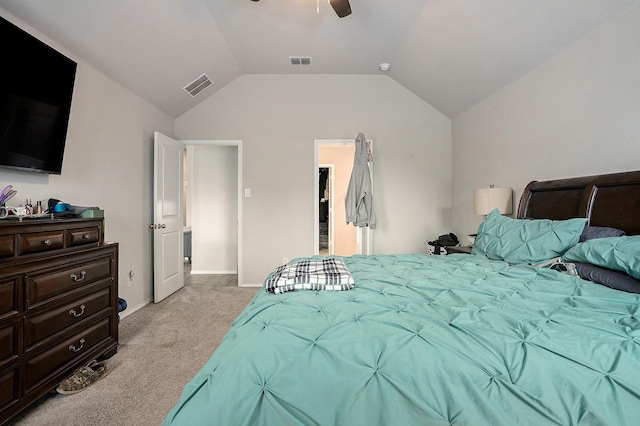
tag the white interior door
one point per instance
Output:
(168, 261)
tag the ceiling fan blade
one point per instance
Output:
(342, 7)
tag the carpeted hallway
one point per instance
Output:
(161, 347)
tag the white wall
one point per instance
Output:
(213, 190)
(278, 117)
(107, 163)
(577, 114)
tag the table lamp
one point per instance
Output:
(487, 199)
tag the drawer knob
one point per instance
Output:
(76, 278)
(85, 236)
(75, 314)
(72, 348)
(46, 242)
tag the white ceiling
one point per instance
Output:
(450, 53)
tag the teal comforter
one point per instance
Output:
(427, 340)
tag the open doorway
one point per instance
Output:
(343, 239)
(325, 209)
(214, 207)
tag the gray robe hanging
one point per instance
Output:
(359, 199)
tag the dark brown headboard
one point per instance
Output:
(606, 200)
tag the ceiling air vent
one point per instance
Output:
(300, 60)
(197, 85)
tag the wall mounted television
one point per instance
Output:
(36, 87)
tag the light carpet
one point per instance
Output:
(162, 346)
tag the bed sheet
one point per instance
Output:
(421, 339)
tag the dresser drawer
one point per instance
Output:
(8, 342)
(50, 361)
(8, 296)
(78, 237)
(7, 246)
(43, 286)
(58, 305)
(41, 241)
(51, 322)
(9, 389)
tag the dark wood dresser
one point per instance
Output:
(58, 304)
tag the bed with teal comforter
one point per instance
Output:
(427, 340)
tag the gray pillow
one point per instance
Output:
(592, 232)
(608, 277)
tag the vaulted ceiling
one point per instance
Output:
(450, 53)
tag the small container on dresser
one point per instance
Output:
(58, 304)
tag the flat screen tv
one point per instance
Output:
(36, 86)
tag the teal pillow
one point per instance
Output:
(619, 253)
(526, 241)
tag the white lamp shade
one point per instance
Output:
(487, 199)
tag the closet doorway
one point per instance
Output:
(342, 239)
(326, 206)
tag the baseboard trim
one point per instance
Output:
(250, 285)
(131, 310)
(196, 272)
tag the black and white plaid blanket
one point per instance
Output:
(324, 274)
